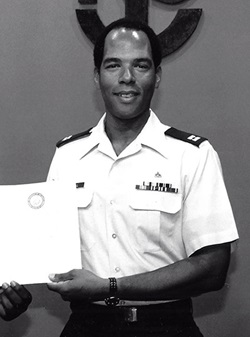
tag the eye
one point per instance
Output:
(142, 66)
(112, 66)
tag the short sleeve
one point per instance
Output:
(207, 214)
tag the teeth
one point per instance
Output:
(127, 95)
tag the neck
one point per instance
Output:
(121, 132)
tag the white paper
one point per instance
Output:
(39, 231)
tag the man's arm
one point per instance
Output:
(202, 272)
(14, 300)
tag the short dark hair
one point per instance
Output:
(129, 24)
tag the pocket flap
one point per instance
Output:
(157, 201)
(83, 197)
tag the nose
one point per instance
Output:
(127, 75)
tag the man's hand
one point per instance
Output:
(79, 284)
(14, 300)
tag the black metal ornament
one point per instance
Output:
(171, 39)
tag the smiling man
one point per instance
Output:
(127, 78)
(155, 221)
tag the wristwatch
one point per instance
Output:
(112, 300)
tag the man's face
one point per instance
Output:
(127, 76)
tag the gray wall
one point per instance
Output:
(47, 92)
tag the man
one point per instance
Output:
(155, 221)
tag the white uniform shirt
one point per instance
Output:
(127, 228)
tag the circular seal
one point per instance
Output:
(36, 200)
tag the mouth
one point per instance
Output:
(126, 94)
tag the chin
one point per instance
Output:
(131, 115)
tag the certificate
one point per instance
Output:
(39, 231)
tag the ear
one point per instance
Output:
(97, 78)
(158, 76)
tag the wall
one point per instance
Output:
(47, 92)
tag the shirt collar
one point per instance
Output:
(152, 136)
(98, 138)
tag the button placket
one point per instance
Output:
(111, 222)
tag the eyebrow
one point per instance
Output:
(144, 59)
(111, 59)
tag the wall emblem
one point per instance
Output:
(172, 38)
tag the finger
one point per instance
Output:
(22, 292)
(5, 286)
(2, 311)
(6, 303)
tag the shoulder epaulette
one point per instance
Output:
(185, 136)
(72, 138)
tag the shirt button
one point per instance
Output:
(117, 269)
(114, 236)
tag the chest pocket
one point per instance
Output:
(153, 210)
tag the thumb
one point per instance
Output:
(60, 277)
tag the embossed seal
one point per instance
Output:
(36, 200)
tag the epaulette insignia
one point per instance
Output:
(185, 136)
(72, 138)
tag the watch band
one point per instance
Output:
(112, 300)
(112, 286)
